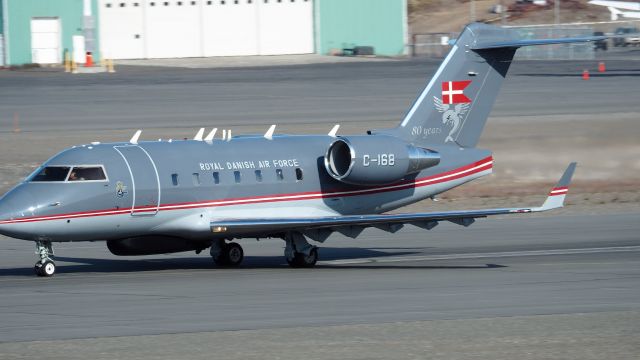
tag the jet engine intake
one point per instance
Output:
(376, 159)
(153, 245)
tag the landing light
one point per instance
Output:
(219, 229)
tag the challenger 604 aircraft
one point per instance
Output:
(153, 197)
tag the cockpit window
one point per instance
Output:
(52, 173)
(86, 173)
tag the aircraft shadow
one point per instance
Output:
(76, 265)
(579, 74)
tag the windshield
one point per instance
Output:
(84, 173)
(69, 173)
(52, 173)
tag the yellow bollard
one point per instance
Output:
(74, 67)
(110, 67)
(67, 62)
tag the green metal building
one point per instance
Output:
(40, 31)
(348, 23)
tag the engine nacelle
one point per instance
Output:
(375, 159)
(153, 245)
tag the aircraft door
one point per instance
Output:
(145, 185)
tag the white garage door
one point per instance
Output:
(173, 28)
(286, 26)
(121, 29)
(190, 28)
(45, 41)
(229, 28)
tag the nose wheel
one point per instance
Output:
(45, 267)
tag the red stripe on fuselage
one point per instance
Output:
(465, 171)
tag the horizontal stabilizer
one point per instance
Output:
(532, 42)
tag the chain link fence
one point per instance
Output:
(436, 45)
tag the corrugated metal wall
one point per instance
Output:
(19, 16)
(1, 50)
(347, 23)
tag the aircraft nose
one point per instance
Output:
(16, 203)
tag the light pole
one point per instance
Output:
(556, 11)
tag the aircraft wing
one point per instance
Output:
(319, 228)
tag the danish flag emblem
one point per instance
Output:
(453, 92)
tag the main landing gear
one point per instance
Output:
(298, 252)
(226, 254)
(45, 266)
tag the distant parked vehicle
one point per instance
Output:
(632, 39)
(600, 44)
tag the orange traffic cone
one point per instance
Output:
(88, 60)
(601, 67)
(585, 74)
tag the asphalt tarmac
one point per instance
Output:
(562, 286)
(378, 93)
(495, 269)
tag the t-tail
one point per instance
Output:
(454, 106)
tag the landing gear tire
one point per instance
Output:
(45, 269)
(231, 255)
(301, 260)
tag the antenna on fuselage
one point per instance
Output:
(334, 130)
(199, 134)
(209, 137)
(135, 137)
(269, 134)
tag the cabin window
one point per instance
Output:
(174, 179)
(236, 175)
(259, 175)
(279, 174)
(299, 174)
(196, 179)
(87, 173)
(52, 173)
(216, 178)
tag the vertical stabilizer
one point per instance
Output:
(454, 106)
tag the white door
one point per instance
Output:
(45, 41)
(121, 29)
(173, 28)
(230, 27)
(131, 29)
(285, 27)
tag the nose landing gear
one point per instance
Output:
(45, 266)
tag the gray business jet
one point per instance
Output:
(156, 197)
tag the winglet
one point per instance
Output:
(135, 137)
(559, 192)
(199, 134)
(269, 134)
